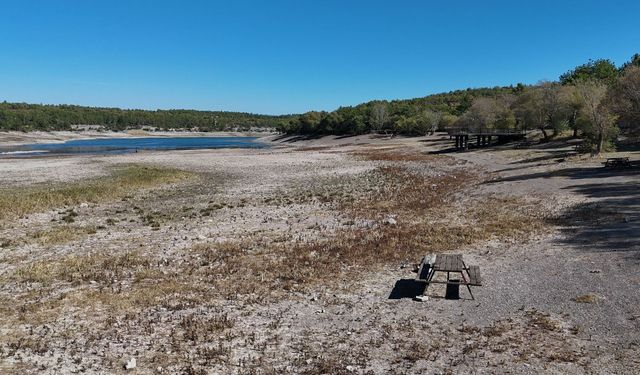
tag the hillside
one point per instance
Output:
(27, 117)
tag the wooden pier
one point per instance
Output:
(484, 137)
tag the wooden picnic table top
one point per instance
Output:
(449, 263)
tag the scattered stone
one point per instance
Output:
(391, 221)
(131, 364)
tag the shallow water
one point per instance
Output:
(128, 145)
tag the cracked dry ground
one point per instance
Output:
(283, 261)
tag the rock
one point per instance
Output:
(131, 364)
(84, 205)
(391, 221)
(422, 298)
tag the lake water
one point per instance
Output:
(128, 145)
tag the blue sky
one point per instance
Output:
(293, 56)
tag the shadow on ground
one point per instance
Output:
(407, 288)
(609, 221)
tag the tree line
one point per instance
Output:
(597, 100)
(27, 117)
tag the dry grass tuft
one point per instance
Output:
(396, 155)
(102, 268)
(60, 235)
(16, 202)
(586, 298)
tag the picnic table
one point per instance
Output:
(617, 163)
(448, 263)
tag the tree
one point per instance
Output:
(625, 99)
(555, 105)
(531, 112)
(379, 115)
(596, 119)
(432, 120)
(481, 114)
(635, 61)
(599, 70)
(573, 104)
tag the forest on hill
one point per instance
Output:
(28, 117)
(597, 100)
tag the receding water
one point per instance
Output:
(128, 145)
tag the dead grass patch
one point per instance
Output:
(60, 235)
(396, 155)
(586, 298)
(102, 268)
(20, 201)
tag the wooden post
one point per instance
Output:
(466, 142)
(477, 141)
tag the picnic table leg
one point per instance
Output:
(465, 268)
(469, 289)
(429, 277)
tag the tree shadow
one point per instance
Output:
(608, 223)
(572, 173)
(610, 220)
(548, 155)
(288, 138)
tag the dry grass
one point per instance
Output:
(586, 298)
(394, 155)
(16, 202)
(103, 268)
(425, 209)
(60, 235)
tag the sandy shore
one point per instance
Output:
(208, 290)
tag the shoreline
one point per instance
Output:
(16, 138)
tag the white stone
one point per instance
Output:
(131, 364)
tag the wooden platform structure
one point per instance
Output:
(484, 137)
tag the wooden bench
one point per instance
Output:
(474, 276)
(617, 163)
(425, 268)
(448, 263)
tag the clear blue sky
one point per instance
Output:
(294, 55)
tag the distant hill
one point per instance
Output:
(395, 115)
(27, 117)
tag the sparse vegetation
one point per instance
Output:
(586, 298)
(20, 201)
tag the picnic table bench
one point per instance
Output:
(617, 163)
(448, 263)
